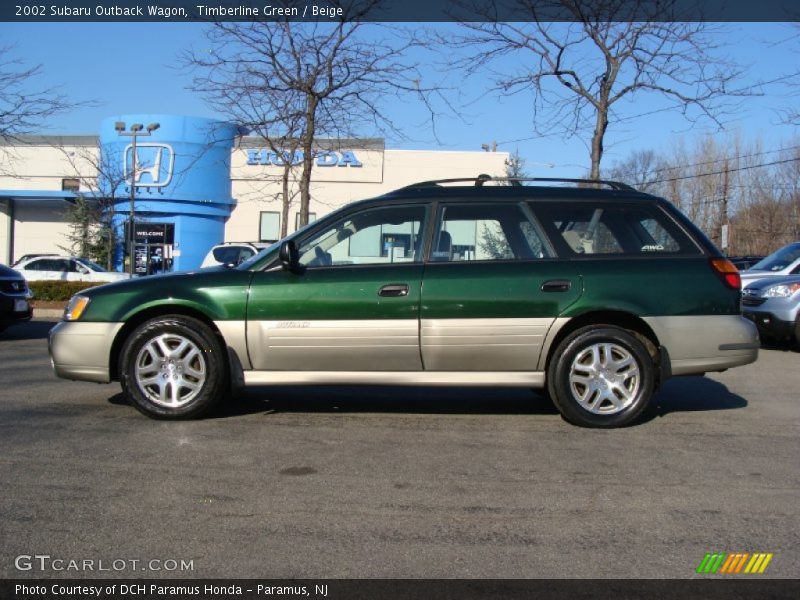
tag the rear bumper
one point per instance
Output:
(700, 344)
(81, 351)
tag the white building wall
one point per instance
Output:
(5, 231)
(257, 187)
(40, 225)
(42, 166)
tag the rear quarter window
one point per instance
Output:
(613, 229)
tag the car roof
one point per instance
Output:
(490, 193)
(433, 190)
(48, 256)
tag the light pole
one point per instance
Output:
(134, 133)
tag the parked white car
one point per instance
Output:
(231, 254)
(66, 268)
(785, 261)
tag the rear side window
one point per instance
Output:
(613, 229)
(47, 264)
(480, 232)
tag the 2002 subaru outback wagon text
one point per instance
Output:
(596, 295)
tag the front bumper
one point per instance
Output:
(82, 350)
(8, 314)
(770, 324)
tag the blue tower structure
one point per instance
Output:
(183, 188)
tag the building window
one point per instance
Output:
(311, 218)
(270, 227)
(70, 184)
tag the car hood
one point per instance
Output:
(9, 273)
(749, 275)
(765, 282)
(162, 280)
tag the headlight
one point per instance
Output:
(782, 290)
(75, 308)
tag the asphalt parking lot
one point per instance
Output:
(347, 482)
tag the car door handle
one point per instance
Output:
(556, 285)
(394, 290)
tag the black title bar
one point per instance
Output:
(71, 11)
(393, 589)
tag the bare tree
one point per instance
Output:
(282, 136)
(515, 166)
(640, 169)
(295, 82)
(716, 182)
(23, 109)
(611, 50)
(100, 174)
(791, 113)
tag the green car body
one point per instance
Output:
(442, 314)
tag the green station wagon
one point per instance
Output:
(595, 296)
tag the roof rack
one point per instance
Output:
(517, 182)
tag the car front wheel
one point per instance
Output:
(601, 376)
(173, 367)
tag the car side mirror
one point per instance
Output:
(290, 260)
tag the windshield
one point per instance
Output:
(779, 259)
(91, 265)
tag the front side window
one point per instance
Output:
(371, 237)
(479, 232)
(47, 264)
(613, 229)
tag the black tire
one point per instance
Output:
(204, 367)
(628, 403)
(797, 331)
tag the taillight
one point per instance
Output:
(728, 272)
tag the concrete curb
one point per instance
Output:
(47, 312)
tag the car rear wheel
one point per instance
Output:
(601, 376)
(173, 367)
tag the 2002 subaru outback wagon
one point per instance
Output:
(596, 295)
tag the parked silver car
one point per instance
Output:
(773, 304)
(784, 261)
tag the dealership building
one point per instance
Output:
(198, 182)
